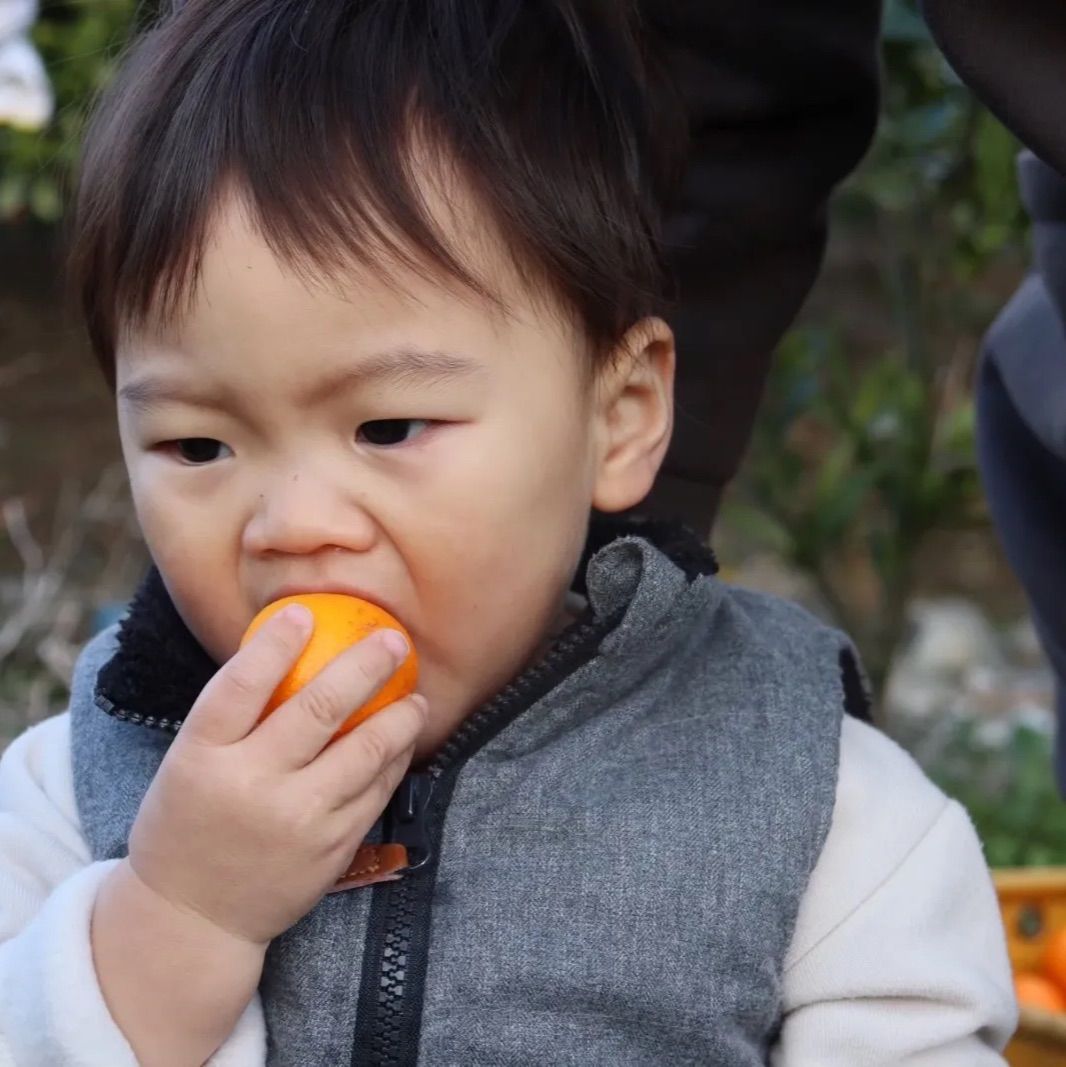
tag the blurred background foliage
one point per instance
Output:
(79, 41)
(1006, 786)
(864, 451)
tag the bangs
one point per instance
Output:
(328, 119)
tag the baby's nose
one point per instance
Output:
(299, 514)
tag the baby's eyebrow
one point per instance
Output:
(396, 366)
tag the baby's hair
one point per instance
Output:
(322, 115)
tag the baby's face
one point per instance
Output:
(418, 449)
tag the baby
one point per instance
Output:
(379, 288)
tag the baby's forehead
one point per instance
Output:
(387, 266)
(250, 298)
(387, 269)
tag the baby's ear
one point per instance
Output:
(634, 415)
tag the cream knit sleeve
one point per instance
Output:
(52, 1012)
(898, 957)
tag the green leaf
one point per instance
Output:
(45, 200)
(12, 196)
(757, 526)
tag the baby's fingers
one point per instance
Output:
(231, 703)
(372, 758)
(308, 721)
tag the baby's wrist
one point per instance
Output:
(192, 922)
(174, 982)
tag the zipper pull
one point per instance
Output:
(404, 822)
(404, 844)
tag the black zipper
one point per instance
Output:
(389, 1018)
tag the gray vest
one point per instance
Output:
(616, 871)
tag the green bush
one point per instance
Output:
(1010, 792)
(79, 42)
(853, 465)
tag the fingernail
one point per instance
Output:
(297, 615)
(396, 643)
(420, 702)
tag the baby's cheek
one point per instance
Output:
(217, 626)
(201, 583)
(169, 531)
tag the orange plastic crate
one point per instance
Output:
(1033, 902)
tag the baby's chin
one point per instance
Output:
(454, 695)
(567, 614)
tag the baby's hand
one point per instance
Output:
(249, 826)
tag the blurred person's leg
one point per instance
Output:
(1012, 54)
(1021, 426)
(1026, 487)
(782, 98)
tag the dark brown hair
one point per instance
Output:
(553, 111)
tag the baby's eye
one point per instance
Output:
(385, 432)
(198, 450)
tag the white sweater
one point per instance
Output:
(898, 957)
